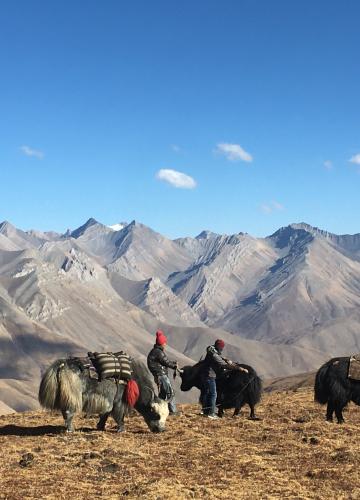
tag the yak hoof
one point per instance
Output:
(254, 417)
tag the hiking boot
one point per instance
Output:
(212, 416)
(175, 414)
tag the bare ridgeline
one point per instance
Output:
(286, 304)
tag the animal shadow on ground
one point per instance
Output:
(43, 430)
(40, 430)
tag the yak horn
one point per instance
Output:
(152, 394)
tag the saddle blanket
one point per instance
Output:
(354, 367)
(111, 365)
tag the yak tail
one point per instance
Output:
(255, 388)
(60, 388)
(132, 393)
(48, 389)
(321, 388)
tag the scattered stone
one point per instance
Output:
(314, 440)
(91, 455)
(82, 463)
(301, 420)
(112, 467)
(26, 460)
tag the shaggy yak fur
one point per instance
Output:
(67, 386)
(234, 388)
(332, 386)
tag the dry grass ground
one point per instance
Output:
(291, 453)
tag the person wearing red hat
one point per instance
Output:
(158, 364)
(215, 364)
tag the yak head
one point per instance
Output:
(156, 413)
(188, 378)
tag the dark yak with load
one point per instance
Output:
(68, 386)
(234, 388)
(337, 382)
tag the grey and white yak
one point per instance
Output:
(68, 387)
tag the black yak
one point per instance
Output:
(234, 388)
(68, 387)
(332, 386)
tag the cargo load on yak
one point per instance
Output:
(111, 365)
(354, 367)
(118, 366)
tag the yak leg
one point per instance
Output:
(238, 405)
(119, 408)
(236, 411)
(118, 414)
(220, 411)
(102, 421)
(338, 413)
(68, 418)
(329, 411)
(253, 416)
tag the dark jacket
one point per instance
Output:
(158, 363)
(214, 363)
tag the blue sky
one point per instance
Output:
(103, 105)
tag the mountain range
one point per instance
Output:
(283, 304)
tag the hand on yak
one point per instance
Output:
(235, 366)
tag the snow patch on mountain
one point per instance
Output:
(119, 226)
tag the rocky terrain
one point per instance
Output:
(283, 304)
(290, 453)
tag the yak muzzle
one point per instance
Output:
(157, 428)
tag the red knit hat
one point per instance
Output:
(160, 338)
(220, 343)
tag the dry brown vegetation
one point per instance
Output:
(291, 453)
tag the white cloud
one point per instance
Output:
(328, 165)
(355, 159)
(32, 152)
(273, 206)
(233, 152)
(176, 148)
(176, 179)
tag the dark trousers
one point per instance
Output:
(208, 396)
(166, 391)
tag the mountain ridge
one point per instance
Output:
(284, 303)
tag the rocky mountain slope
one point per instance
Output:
(284, 303)
(309, 297)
